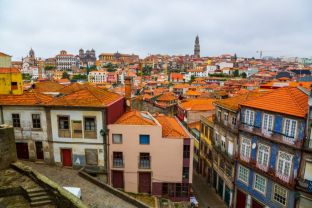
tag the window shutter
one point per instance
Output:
(258, 119)
(278, 124)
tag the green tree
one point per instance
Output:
(192, 79)
(65, 75)
(79, 77)
(47, 68)
(244, 75)
(236, 73)
(26, 76)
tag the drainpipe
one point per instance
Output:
(104, 134)
(2, 119)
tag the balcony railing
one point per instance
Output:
(271, 135)
(145, 162)
(304, 185)
(118, 163)
(287, 181)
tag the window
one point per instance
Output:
(228, 170)
(16, 120)
(36, 121)
(249, 117)
(186, 151)
(117, 159)
(89, 123)
(280, 194)
(63, 122)
(290, 128)
(284, 163)
(243, 174)
(222, 164)
(144, 139)
(14, 86)
(308, 171)
(230, 148)
(234, 120)
(117, 138)
(263, 155)
(226, 116)
(245, 148)
(260, 183)
(206, 131)
(144, 161)
(185, 173)
(223, 143)
(267, 123)
(219, 114)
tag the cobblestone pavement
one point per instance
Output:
(91, 194)
(205, 195)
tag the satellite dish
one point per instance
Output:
(254, 146)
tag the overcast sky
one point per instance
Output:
(278, 27)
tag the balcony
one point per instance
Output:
(118, 163)
(145, 162)
(268, 172)
(274, 136)
(303, 185)
(226, 125)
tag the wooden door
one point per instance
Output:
(67, 157)
(145, 182)
(22, 151)
(39, 150)
(240, 199)
(256, 204)
(118, 179)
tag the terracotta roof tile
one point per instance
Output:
(234, 102)
(27, 98)
(89, 96)
(9, 70)
(285, 100)
(171, 128)
(198, 104)
(47, 86)
(168, 96)
(135, 117)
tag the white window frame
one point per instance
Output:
(113, 136)
(281, 171)
(267, 124)
(282, 188)
(263, 155)
(255, 181)
(226, 116)
(249, 117)
(291, 131)
(242, 179)
(245, 148)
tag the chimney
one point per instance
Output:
(128, 89)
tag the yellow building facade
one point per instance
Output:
(11, 81)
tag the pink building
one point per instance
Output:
(151, 154)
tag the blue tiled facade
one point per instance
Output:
(276, 143)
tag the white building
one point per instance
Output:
(225, 65)
(98, 76)
(65, 61)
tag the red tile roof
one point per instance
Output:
(135, 117)
(9, 70)
(171, 128)
(200, 104)
(285, 100)
(27, 98)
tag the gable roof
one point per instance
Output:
(234, 102)
(167, 96)
(285, 100)
(171, 128)
(200, 104)
(27, 98)
(135, 117)
(87, 97)
(47, 86)
(9, 70)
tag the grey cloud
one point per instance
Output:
(167, 27)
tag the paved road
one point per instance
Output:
(205, 195)
(91, 194)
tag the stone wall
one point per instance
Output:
(7, 146)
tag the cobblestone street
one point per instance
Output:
(91, 194)
(206, 195)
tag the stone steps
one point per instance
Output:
(38, 197)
